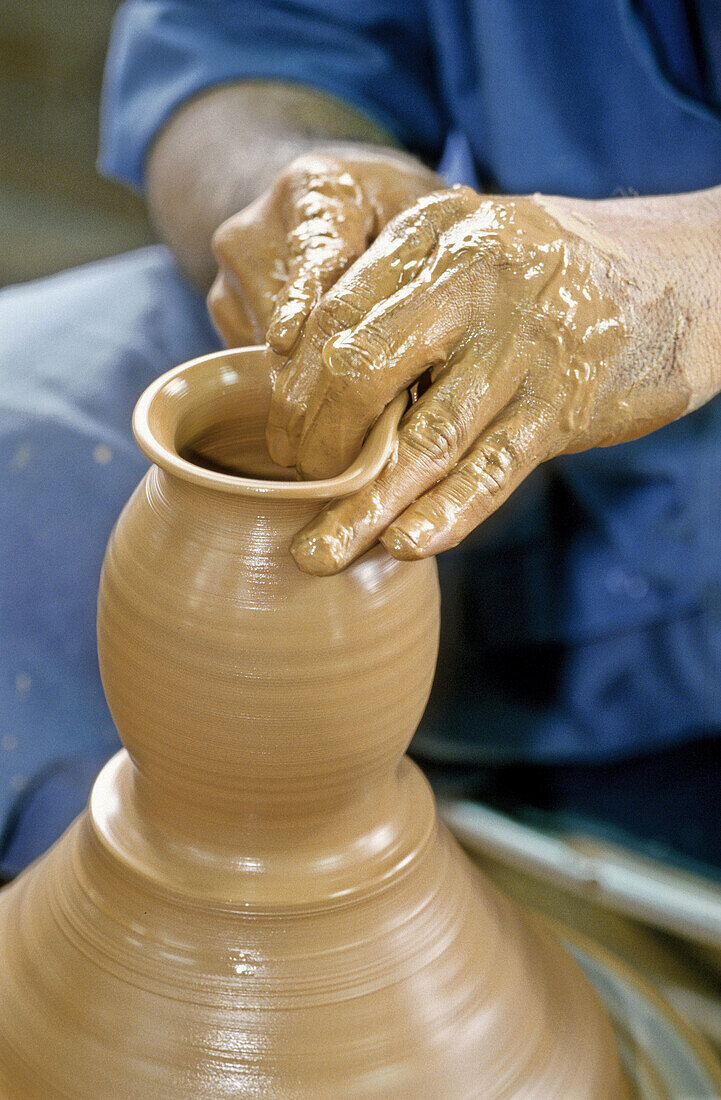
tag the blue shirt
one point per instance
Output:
(601, 578)
(567, 96)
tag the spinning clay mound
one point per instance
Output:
(259, 900)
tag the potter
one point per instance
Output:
(260, 899)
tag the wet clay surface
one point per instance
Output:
(260, 900)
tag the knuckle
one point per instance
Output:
(413, 229)
(322, 176)
(220, 301)
(288, 181)
(336, 312)
(433, 434)
(542, 334)
(505, 450)
(346, 362)
(415, 226)
(358, 355)
(305, 165)
(459, 200)
(437, 205)
(224, 317)
(232, 243)
(372, 346)
(325, 319)
(216, 294)
(492, 466)
(486, 479)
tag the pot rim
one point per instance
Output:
(162, 407)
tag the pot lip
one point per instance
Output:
(161, 407)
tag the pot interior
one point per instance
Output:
(234, 445)
(223, 427)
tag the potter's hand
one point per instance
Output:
(278, 256)
(550, 326)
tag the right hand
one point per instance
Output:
(278, 256)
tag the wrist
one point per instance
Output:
(677, 239)
(642, 382)
(665, 252)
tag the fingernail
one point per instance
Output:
(408, 540)
(284, 329)
(279, 446)
(321, 555)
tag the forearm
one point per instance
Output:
(222, 149)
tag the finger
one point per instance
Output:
(434, 436)
(363, 369)
(494, 467)
(295, 380)
(321, 248)
(231, 312)
(390, 263)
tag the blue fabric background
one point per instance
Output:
(570, 96)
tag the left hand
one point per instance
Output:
(540, 335)
(277, 256)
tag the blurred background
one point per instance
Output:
(56, 211)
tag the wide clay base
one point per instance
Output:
(421, 981)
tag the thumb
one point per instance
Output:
(242, 297)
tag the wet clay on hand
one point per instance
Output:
(260, 900)
(536, 330)
(278, 256)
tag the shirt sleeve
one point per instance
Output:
(373, 54)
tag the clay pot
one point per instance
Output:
(259, 900)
